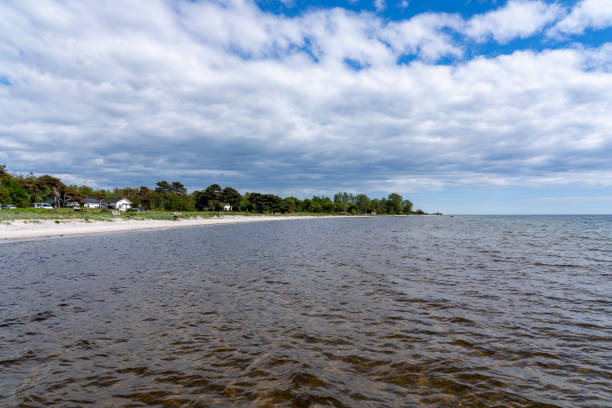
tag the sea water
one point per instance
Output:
(491, 311)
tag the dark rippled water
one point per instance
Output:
(366, 312)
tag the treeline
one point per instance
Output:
(22, 191)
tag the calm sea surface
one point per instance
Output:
(350, 312)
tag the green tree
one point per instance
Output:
(313, 206)
(49, 186)
(171, 197)
(407, 207)
(382, 206)
(394, 203)
(4, 192)
(326, 205)
(86, 191)
(267, 203)
(163, 187)
(214, 197)
(22, 190)
(246, 204)
(341, 201)
(30, 184)
(200, 199)
(274, 204)
(160, 196)
(256, 200)
(144, 197)
(293, 204)
(13, 193)
(5, 197)
(69, 193)
(363, 203)
(178, 188)
(232, 197)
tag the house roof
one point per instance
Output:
(114, 200)
(91, 200)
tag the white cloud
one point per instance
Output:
(594, 14)
(423, 35)
(518, 18)
(380, 5)
(232, 95)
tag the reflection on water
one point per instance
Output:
(372, 312)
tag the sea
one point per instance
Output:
(462, 311)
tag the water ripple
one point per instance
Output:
(373, 312)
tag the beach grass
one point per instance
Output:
(94, 214)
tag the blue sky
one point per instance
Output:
(476, 106)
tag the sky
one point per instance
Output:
(463, 106)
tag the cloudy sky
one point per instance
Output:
(463, 106)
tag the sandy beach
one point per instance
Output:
(27, 229)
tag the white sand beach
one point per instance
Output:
(27, 229)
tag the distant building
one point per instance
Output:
(121, 204)
(91, 203)
(46, 206)
(227, 207)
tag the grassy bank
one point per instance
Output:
(93, 214)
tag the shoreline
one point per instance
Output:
(32, 229)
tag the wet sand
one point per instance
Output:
(26, 229)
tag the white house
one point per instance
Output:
(227, 207)
(121, 204)
(91, 203)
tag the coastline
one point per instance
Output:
(30, 229)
